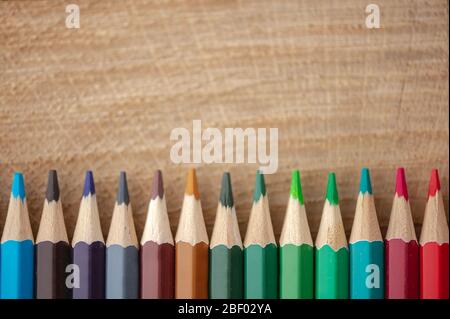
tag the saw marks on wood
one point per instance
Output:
(106, 96)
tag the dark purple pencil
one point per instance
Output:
(88, 277)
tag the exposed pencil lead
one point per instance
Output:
(260, 187)
(18, 186)
(365, 186)
(332, 193)
(400, 184)
(296, 187)
(191, 184)
(89, 186)
(226, 193)
(435, 184)
(52, 186)
(158, 185)
(122, 193)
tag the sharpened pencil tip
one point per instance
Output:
(191, 184)
(226, 193)
(435, 184)
(18, 186)
(332, 193)
(296, 186)
(400, 183)
(52, 186)
(89, 186)
(260, 186)
(158, 185)
(365, 186)
(122, 193)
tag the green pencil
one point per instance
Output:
(296, 248)
(226, 257)
(260, 248)
(332, 260)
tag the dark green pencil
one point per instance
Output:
(226, 255)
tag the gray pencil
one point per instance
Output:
(122, 252)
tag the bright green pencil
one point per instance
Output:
(296, 248)
(260, 249)
(226, 257)
(332, 260)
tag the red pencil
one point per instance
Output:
(434, 245)
(402, 250)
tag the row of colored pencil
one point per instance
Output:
(193, 267)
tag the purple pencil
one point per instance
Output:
(88, 248)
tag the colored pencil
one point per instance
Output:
(260, 248)
(191, 251)
(157, 247)
(89, 247)
(122, 250)
(296, 248)
(434, 245)
(332, 258)
(53, 253)
(366, 246)
(226, 255)
(17, 247)
(402, 250)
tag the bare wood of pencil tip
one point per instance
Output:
(191, 227)
(122, 230)
(401, 225)
(435, 226)
(226, 227)
(191, 184)
(52, 227)
(17, 224)
(88, 228)
(259, 227)
(157, 224)
(331, 229)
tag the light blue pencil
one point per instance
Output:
(17, 247)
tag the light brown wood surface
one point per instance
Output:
(106, 96)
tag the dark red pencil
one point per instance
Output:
(402, 250)
(434, 245)
(157, 248)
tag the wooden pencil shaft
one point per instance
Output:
(434, 271)
(402, 269)
(191, 271)
(157, 271)
(332, 271)
(90, 259)
(261, 272)
(366, 270)
(52, 260)
(17, 247)
(226, 278)
(296, 271)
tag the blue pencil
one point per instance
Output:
(366, 246)
(17, 247)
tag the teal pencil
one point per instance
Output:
(17, 247)
(366, 246)
(260, 248)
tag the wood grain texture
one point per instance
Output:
(106, 96)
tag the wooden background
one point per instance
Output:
(106, 96)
